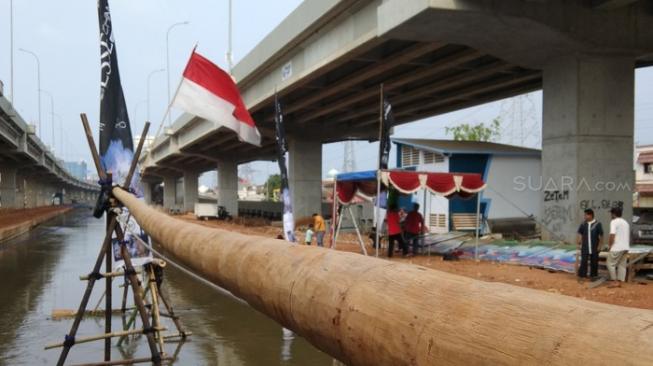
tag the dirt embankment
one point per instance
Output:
(14, 222)
(638, 295)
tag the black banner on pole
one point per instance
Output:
(116, 144)
(387, 121)
(282, 148)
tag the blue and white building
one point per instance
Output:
(512, 175)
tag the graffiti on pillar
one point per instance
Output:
(555, 196)
(603, 204)
(556, 216)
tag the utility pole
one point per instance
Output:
(230, 39)
(168, 62)
(11, 51)
(38, 79)
(349, 159)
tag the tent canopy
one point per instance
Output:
(407, 182)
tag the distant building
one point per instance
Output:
(507, 170)
(77, 169)
(644, 176)
(248, 191)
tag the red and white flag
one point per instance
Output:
(209, 92)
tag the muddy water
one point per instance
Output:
(39, 272)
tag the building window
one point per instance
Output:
(409, 156)
(432, 158)
(648, 168)
(438, 221)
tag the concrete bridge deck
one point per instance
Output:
(30, 174)
(328, 58)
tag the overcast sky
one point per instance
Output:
(65, 36)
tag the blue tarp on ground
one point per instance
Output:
(544, 254)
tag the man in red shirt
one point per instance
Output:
(394, 231)
(414, 226)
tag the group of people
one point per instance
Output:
(404, 229)
(590, 241)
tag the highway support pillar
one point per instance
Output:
(305, 176)
(147, 192)
(190, 190)
(228, 186)
(169, 192)
(587, 141)
(8, 187)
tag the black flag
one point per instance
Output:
(282, 148)
(387, 121)
(116, 145)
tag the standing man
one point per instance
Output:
(413, 227)
(589, 239)
(393, 222)
(320, 229)
(619, 246)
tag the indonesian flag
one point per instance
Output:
(208, 92)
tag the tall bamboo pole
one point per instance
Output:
(377, 211)
(367, 311)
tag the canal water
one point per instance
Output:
(39, 272)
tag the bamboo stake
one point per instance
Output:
(107, 274)
(156, 320)
(107, 292)
(70, 313)
(136, 156)
(138, 300)
(124, 362)
(132, 316)
(171, 312)
(176, 335)
(92, 338)
(91, 144)
(87, 292)
(97, 306)
(123, 308)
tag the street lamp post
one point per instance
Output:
(168, 60)
(230, 39)
(51, 113)
(136, 108)
(38, 78)
(61, 143)
(149, 77)
(11, 51)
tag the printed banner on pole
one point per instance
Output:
(116, 144)
(387, 121)
(282, 148)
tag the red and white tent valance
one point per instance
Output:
(408, 182)
(443, 184)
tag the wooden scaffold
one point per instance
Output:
(147, 294)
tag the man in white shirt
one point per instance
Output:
(619, 246)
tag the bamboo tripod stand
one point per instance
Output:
(151, 329)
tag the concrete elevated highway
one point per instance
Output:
(30, 174)
(328, 58)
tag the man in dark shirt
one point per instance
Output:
(589, 238)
